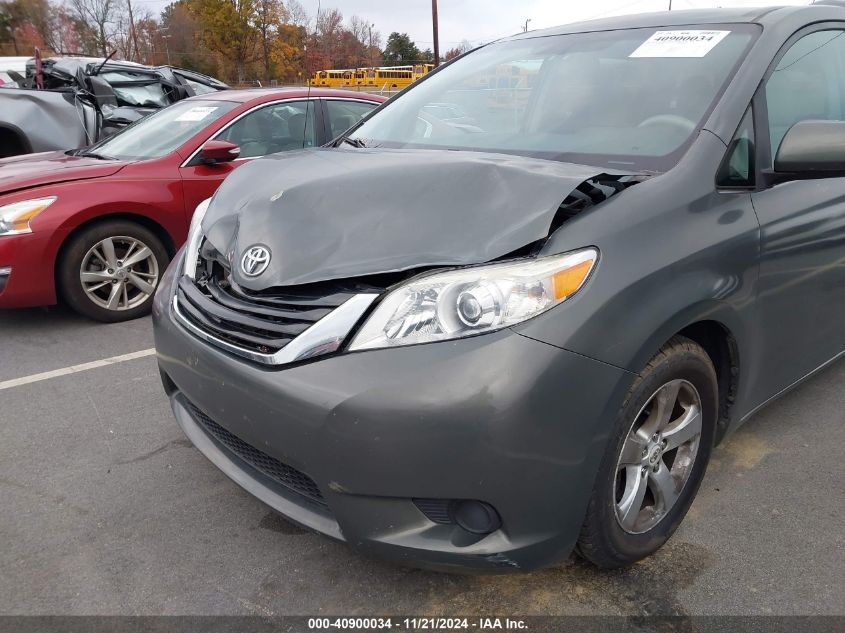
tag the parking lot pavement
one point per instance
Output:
(107, 509)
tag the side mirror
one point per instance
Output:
(812, 149)
(214, 152)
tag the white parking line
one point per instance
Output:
(73, 369)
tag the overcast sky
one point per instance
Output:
(483, 20)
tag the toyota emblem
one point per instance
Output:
(255, 260)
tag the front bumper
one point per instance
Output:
(499, 418)
(30, 281)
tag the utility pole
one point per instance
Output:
(525, 28)
(167, 47)
(436, 35)
(133, 32)
(370, 56)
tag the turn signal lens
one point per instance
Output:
(567, 282)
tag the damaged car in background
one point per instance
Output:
(70, 102)
(483, 347)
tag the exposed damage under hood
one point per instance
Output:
(334, 213)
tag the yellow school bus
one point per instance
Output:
(332, 78)
(378, 78)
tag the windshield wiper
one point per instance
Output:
(354, 142)
(95, 155)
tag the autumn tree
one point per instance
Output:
(100, 16)
(30, 23)
(178, 40)
(235, 40)
(459, 50)
(6, 32)
(287, 53)
(296, 14)
(328, 33)
(226, 29)
(125, 38)
(269, 16)
(370, 39)
(151, 49)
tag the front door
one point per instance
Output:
(802, 265)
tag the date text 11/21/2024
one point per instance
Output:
(417, 624)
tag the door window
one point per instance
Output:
(808, 83)
(344, 114)
(274, 128)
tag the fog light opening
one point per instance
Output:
(476, 517)
(5, 273)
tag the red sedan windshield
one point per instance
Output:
(162, 132)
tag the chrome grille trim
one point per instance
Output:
(329, 332)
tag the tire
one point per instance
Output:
(88, 252)
(12, 144)
(615, 533)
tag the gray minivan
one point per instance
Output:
(483, 345)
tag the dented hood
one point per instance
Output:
(33, 170)
(339, 213)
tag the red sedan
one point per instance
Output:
(98, 226)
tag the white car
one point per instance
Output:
(11, 65)
(16, 64)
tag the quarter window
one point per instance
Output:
(344, 114)
(738, 168)
(808, 83)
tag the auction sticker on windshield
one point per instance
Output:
(196, 114)
(680, 44)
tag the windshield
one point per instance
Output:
(196, 86)
(628, 99)
(162, 132)
(137, 89)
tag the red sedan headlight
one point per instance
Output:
(15, 217)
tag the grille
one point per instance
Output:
(262, 322)
(279, 472)
(436, 510)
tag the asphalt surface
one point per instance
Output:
(107, 509)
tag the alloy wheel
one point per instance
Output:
(119, 273)
(658, 456)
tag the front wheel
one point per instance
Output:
(656, 457)
(109, 271)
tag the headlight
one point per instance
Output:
(15, 217)
(194, 238)
(476, 300)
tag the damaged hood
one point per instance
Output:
(34, 170)
(338, 213)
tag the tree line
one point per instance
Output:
(237, 41)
